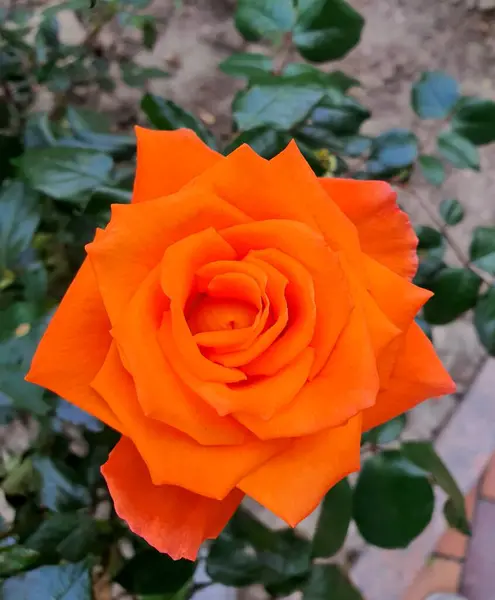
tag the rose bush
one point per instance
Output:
(241, 323)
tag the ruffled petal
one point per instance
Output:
(160, 392)
(74, 347)
(385, 232)
(279, 315)
(260, 396)
(346, 385)
(167, 160)
(300, 330)
(173, 458)
(138, 235)
(332, 298)
(293, 483)
(171, 519)
(418, 374)
(178, 267)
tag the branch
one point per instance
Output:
(456, 249)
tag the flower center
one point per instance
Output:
(219, 314)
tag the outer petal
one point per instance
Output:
(418, 374)
(339, 232)
(346, 385)
(249, 183)
(385, 232)
(397, 298)
(138, 235)
(173, 458)
(171, 519)
(74, 347)
(293, 483)
(167, 160)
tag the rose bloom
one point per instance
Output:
(241, 323)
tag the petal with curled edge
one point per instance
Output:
(170, 518)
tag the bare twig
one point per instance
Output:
(283, 54)
(456, 249)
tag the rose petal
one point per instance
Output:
(74, 347)
(346, 385)
(174, 458)
(249, 183)
(300, 331)
(171, 519)
(260, 396)
(161, 394)
(138, 235)
(167, 160)
(418, 374)
(385, 232)
(332, 298)
(293, 483)
(397, 298)
(339, 232)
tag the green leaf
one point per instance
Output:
(431, 242)
(15, 559)
(82, 123)
(37, 132)
(434, 95)
(456, 517)
(264, 141)
(61, 582)
(20, 210)
(258, 18)
(233, 561)
(432, 169)
(393, 500)
(387, 432)
(248, 552)
(484, 320)
(65, 173)
(150, 572)
(474, 119)
(335, 79)
(136, 76)
(10, 150)
(58, 489)
(166, 115)
(246, 65)
(451, 211)
(67, 535)
(392, 151)
(343, 115)
(357, 145)
(18, 393)
(482, 249)
(282, 103)
(423, 455)
(334, 519)
(458, 150)
(326, 29)
(328, 582)
(456, 291)
(150, 33)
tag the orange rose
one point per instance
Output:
(240, 324)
